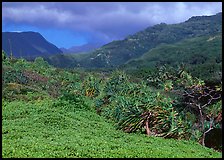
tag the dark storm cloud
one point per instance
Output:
(109, 20)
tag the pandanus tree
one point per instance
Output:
(200, 98)
(153, 113)
(91, 86)
(136, 107)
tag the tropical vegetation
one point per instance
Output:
(53, 112)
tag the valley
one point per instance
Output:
(154, 94)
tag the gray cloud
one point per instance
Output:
(109, 20)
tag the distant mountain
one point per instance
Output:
(81, 49)
(27, 45)
(64, 50)
(119, 52)
(134, 46)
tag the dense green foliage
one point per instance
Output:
(130, 104)
(51, 112)
(201, 56)
(41, 129)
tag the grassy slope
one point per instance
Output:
(186, 50)
(67, 60)
(38, 129)
(200, 55)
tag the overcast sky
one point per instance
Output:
(67, 24)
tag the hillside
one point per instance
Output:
(155, 94)
(202, 56)
(27, 45)
(45, 108)
(49, 112)
(39, 130)
(81, 49)
(119, 52)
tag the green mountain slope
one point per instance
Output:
(67, 60)
(202, 56)
(119, 52)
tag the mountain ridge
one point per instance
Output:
(27, 45)
(81, 49)
(133, 46)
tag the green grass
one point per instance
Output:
(42, 129)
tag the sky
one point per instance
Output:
(68, 24)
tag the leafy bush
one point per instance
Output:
(154, 107)
(91, 86)
(135, 107)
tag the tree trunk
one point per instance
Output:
(202, 125)
(148, 132)
(203, 139)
